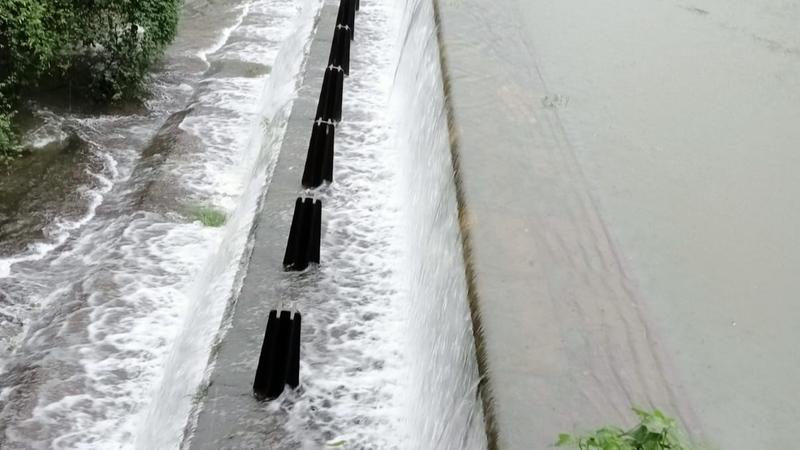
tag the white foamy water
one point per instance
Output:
(444, 374)
(121, 309)
(184, 372)
(387, 354)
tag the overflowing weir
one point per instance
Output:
(388, 355)
(122, 325)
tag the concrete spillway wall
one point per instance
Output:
(387, 359)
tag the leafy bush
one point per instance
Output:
(112, 43)
(25, 52)
(654, 432)
(26, 45)
(102, 48)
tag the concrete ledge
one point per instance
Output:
(231, 417)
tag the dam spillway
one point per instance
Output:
(530, 220)
(388, 346)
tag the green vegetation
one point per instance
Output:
(209, 217)
(100, 48)
(655, 431)
(9, 144)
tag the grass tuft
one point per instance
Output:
(208, 216)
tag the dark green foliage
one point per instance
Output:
(26, 46)
(654, 432)
(112, 42)
(9, 144)
(102, 48)
(25, 53)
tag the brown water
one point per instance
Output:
(684, 116)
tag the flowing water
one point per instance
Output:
(684, 116)
(97, 304)
(449, 412)
(387, 359)
(112, 294)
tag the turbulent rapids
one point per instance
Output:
(111, 314)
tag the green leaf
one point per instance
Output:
(563, 439)
(655, 431)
